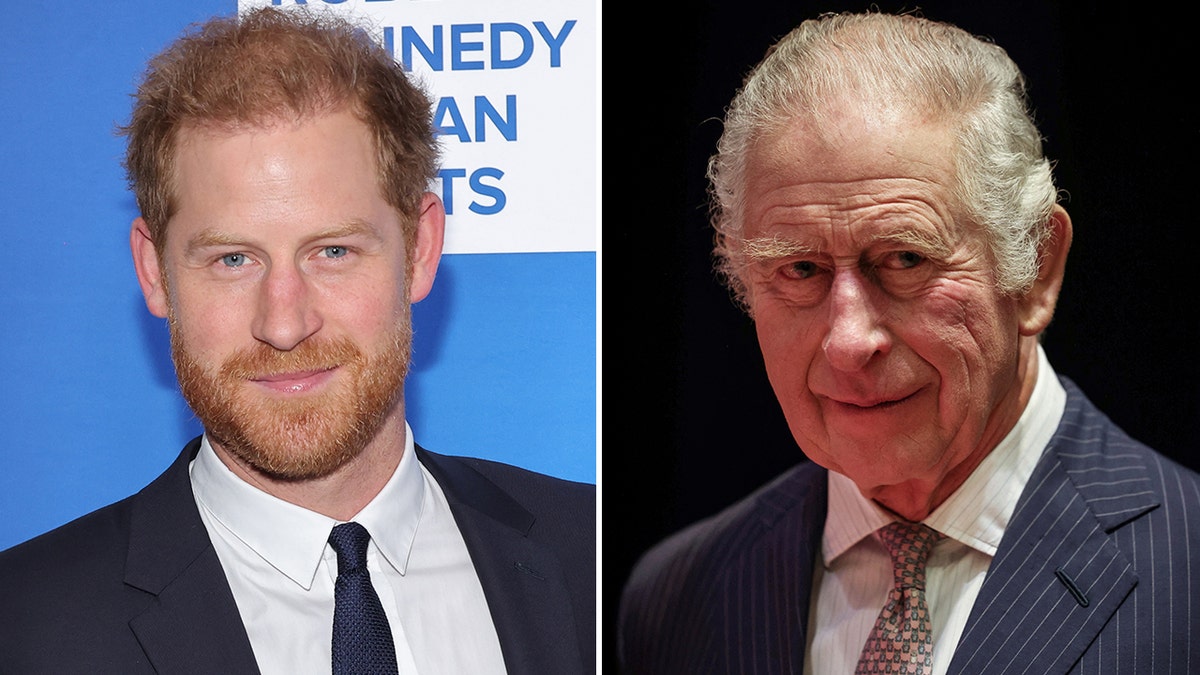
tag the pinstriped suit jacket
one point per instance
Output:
(1098, 572)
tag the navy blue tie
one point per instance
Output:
(362, 640)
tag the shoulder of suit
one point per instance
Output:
(1087, 436)
(707, 547)
(88, 552)
(510, 477)
(1120, 477)
(103, 533)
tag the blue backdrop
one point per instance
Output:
(505, 348)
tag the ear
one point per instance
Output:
(1036, 307)
(430, 232)
(148, 268)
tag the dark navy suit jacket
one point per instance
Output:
(1098, 572)
(136, 587)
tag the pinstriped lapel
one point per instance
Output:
(730, 594)
(1058, 577)
(766, 580)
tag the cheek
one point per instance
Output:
(988, 334)
(964, 318)
(788, 343)
(374, 290)
(205, 322)
(970, 340)
(371, 320)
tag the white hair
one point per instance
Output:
(920, 67)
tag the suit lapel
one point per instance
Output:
(1057, 577)
(192, 623)
(792, 514)
(765, 572)
(523, 582)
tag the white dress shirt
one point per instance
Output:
(282, 571)
(852, 585)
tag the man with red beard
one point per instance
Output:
(280, 163)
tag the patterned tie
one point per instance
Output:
(901, 641)
(362, 640)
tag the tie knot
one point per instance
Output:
(909, 545)
(350, 541)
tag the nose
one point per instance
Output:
(855, 333)
(286, 314)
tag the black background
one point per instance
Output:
(689, 420)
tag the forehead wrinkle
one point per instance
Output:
(844, 200)
(867, 219)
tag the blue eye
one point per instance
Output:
(335, 251)
(234, 259)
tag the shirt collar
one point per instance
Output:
(291, 538)
(977, 513)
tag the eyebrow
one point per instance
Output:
(209, 238)
(929, 243)
(764, 249)
(759, 249)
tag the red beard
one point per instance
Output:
(306, 436)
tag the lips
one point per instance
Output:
(881, 402)
(294, 382)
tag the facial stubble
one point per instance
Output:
(304, 436)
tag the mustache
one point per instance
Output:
(262, 360)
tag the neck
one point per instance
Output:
(342, 493)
